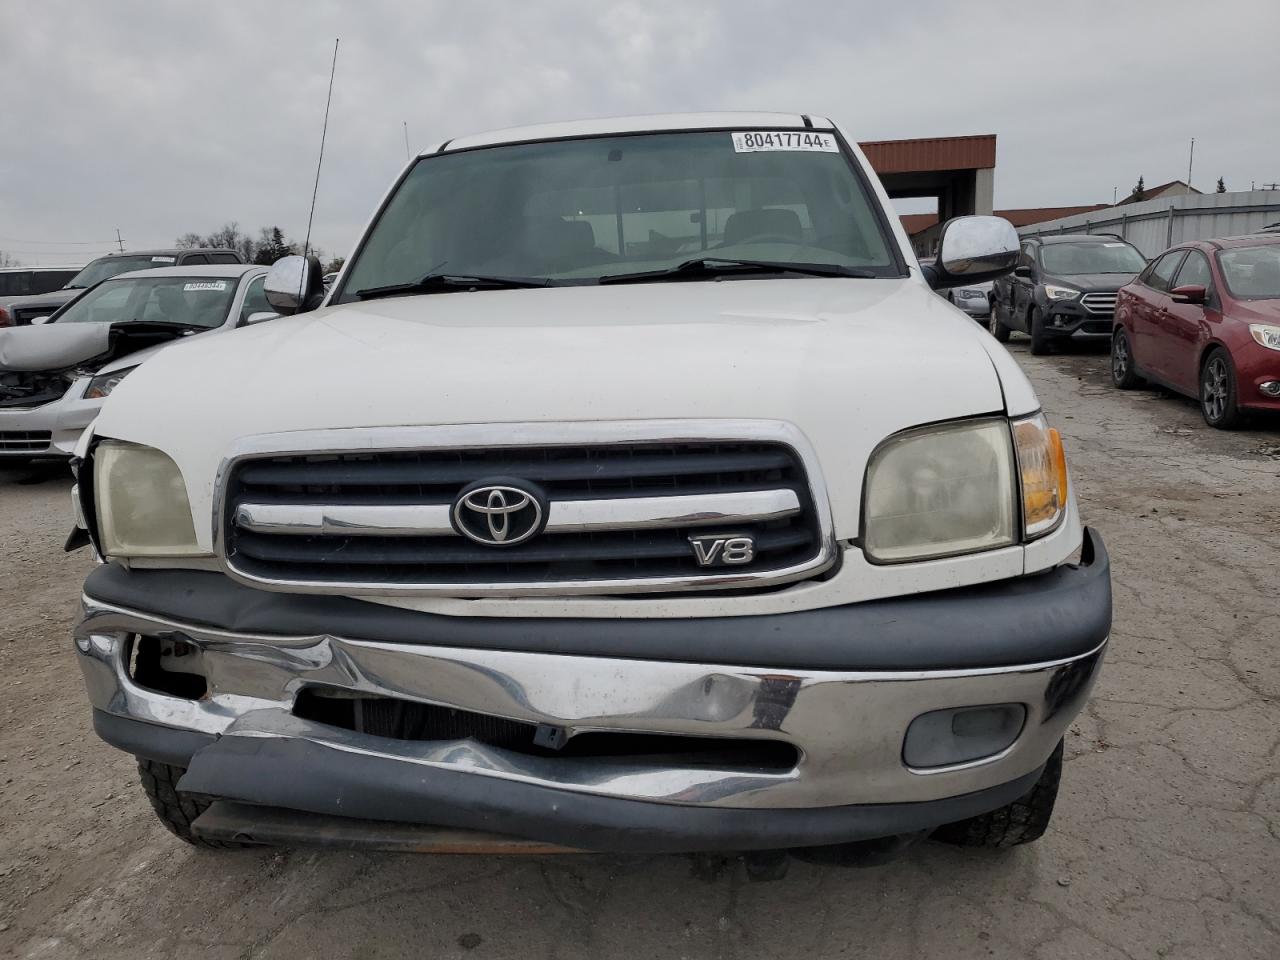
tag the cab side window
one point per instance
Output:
(1195, 272)
(1028, 256)
(255, 299)
(1162, 275)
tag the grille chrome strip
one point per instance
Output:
(565, 516)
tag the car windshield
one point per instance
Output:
(108, 267)
(1252, 273)
(1089, 256)
(191, 301)
(574, 211)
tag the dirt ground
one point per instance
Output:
(1166, 843)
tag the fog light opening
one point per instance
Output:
(167, 665)
(945, 738)
(1271, 388)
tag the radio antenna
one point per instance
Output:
(306, 245)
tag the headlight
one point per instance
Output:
(142, 503)
(1042, 468)
(1266, 334)
(940, 491)
(1054, 292)
(102, 385)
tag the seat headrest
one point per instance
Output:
(766, 221)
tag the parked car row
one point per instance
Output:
(56, 371)
(1201, 319)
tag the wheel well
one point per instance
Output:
(1208, 349)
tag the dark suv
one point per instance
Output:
(20, 311)
(1064, 287)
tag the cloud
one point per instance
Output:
(164, 118)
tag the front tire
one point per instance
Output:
(1023, 821)
(1123, 370)
(177, 811)
(997, 328)
(1040, 345)
(1219, 398)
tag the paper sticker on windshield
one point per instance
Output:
(164, 259)
(754, 142)
(220, 285)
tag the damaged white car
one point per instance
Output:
(55, 373)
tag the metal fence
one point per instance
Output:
(1155, 225)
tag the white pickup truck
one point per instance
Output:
(629, 490)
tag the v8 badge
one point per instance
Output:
(723, 550)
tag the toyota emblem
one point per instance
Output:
(499, 514)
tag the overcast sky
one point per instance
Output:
(162, 118)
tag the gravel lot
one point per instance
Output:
(1166, 842)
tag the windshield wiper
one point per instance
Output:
(448, 282)
(710, 267)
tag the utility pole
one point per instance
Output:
(406, 139)
(1190, 157)
(119, 242)
(1114, 191)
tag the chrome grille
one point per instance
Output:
(619, 518)
(24, 441)
(1100, 304)
(22, 316)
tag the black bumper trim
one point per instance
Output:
(308, 776)
(1057, 615)
(150, 740)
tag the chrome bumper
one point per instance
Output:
(848, 727)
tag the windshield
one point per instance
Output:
(194, 301)
(109, 267)
(1252, 273)
(1101, 256)
(574, 211)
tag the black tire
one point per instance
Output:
(1123, 368)
(1219, 398)
(1022, 821)
(996, 326)
(1040, 343)
(177, 811)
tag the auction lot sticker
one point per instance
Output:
(206, 285)
(759, 140)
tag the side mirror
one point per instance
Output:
(39, 321)
(971, 250)
(293, 285)
(1189, 293)
(253, 318)
(1023, 271)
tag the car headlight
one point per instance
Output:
(940, 491)
(1266, 334)
(102, 385)
(142, 504)
(1054, 292)
(956, 488)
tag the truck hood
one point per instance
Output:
(52, 300)
(847, 361)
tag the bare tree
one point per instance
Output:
(7, 260)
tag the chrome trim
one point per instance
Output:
(515, 435)
(565, 516)
(1099, 304)
(847, 726)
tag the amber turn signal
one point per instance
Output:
(1042, 469)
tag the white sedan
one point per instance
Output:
(55, 373)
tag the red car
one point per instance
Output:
(1204, 319)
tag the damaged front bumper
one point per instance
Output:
(826, 698)
(51, 429)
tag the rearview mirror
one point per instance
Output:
(1189, 293)
(1023, 271)
(973, 249)
(258, 318)
(293, 285)
(39, 321)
